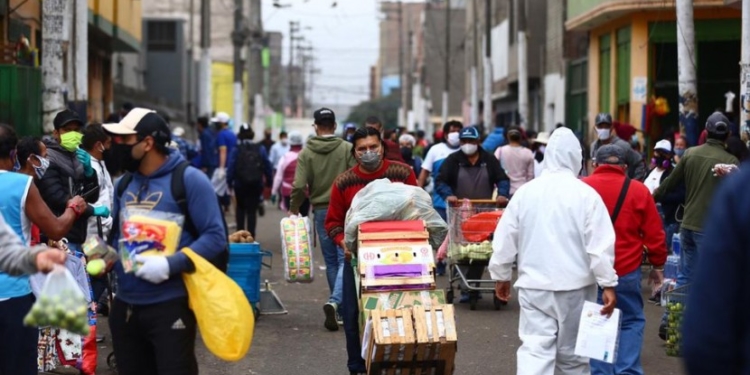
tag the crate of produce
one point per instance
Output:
(470, 230)
(437, 337)
(676, 305)
(398, 300)
(389, 341)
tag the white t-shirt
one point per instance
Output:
(437, 152)
(654, 179)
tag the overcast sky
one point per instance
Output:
(344, 39)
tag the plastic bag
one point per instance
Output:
(382, 200)
(148, 233)
(224, 315)
(296, 242)
(61, 304)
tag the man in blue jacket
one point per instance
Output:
(716, 327)
(153, 328)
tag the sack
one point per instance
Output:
(249, 165)
(179, 194)
(61, 304)
(225, 318)
(219, 183)
(88, 355)
(297, 247)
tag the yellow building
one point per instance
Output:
(632, 56)
(222, 89)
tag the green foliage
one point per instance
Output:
(385, 108)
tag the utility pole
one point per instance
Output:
(523, 66)
(447, 75)
(406, 100)
(474, 115)
(190, 65)
(401, 80)
(488, 124)
(204, 90)
(293, 28)
(255, 68)
(81, 57)
(686, 71)
(53, 36)
(745, 66)
(239, 36)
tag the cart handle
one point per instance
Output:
(479, 201)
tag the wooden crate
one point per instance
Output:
(436, 339)
(391, 341)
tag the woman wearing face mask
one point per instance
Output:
(680, 145)
(538, 147)
(662, 166)
(407, 143)
(369, 150)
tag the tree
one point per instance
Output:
(385, 108)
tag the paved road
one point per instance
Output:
(298, 342)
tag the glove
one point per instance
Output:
(154, 269)
(85, 159)
(221, 173)
(101, 211)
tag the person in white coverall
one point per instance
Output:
(563, 236)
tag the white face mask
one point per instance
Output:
(469, 149)
(453, 139)
(603, 134)
(542, 149)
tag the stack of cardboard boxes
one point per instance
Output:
(406, 324)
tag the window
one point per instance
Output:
(162, 36)
(605, 68)
(623, 65)
(576, 101)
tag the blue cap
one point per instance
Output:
(350, 126)
(469, 133)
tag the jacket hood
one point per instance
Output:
(324, 145)
(563, 152)
(174, 159)
(52, 144)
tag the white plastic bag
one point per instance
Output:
(297, 247)
(382, 200)
(61, 304)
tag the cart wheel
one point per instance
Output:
(449, 296)
(498, 303)
(473, 298)
(112, 362)
(256, 312)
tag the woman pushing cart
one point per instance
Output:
(471, 174)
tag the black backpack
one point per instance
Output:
(249, 166)
(180, 196)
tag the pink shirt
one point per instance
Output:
(518, 163)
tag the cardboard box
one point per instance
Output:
(393, 253)
(398, 300)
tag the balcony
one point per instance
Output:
(583, 15)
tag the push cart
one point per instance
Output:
(471, 225)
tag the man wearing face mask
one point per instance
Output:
(435, 157)
(606, 135)
(70, 173)
(393, 150)
(472, 173)
(369, 151)
(407, 143)
(97, 143)
(153, 327)
(278, 150)
(21, 205)
(325, 157)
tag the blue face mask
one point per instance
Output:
(679, 151)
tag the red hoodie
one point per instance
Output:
(349, 183)
(638, 224)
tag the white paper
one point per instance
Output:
(366, 338)
(597, 334)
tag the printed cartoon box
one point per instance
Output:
(380, 253)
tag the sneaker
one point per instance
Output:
(339, 320)
(262, 208)
(440, 271)
(464, 297)
(663, 331)
(330, 310)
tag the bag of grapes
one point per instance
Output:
(61, 304)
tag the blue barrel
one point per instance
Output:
(245, 261)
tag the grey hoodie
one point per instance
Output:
(318, 164)
(15, 258)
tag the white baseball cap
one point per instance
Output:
(178, 131)
(664, 145)
(295, 138)
(221, 117)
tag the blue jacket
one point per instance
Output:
(494, 140)
(716, 327)
(232, 164)
(209, 153)
(154, 192)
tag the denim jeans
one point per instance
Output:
(630, 303)
(333, 256)
(350, 313)
(669, 231)
(690, 242)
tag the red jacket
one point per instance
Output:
(638, 224)
(349, 183)
(394, 151)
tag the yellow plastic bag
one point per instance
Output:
(224, 315)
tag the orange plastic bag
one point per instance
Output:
(225, 318)
(480, 227)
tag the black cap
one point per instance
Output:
(65, 117)
(324, 115)
(610, 154)
(603, 118)
(717, 124)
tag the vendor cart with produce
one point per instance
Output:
(471, 225)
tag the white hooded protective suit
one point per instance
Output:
(562, 233)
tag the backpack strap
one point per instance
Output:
(122, 185)
(179, 194)
(621, 199)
